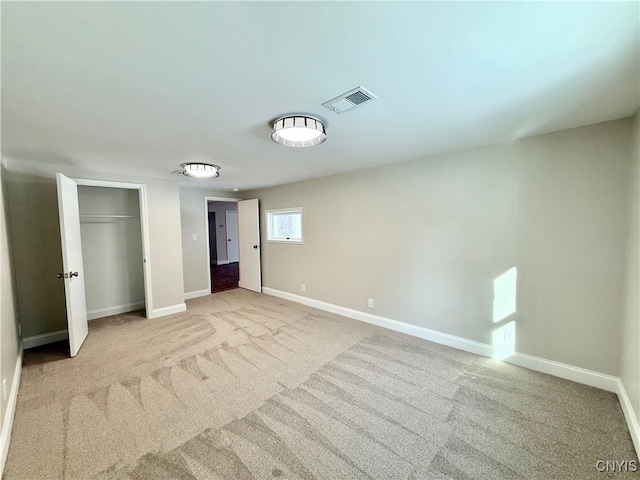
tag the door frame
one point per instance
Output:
(208, 199)
(144, 229)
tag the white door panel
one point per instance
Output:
(249, 245)
(73, 273)
(232, 236)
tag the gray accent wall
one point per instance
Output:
(36, 241)
(630, 341)
(426, 239)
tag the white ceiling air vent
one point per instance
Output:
(352, 99)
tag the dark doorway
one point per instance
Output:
(224, 274)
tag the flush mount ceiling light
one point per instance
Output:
(298, 131)
(200, 170)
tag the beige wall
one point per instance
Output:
(426, 239)
(36, 242)
(630, 340)
(9, 341)
(194, 252)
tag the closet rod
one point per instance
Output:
(106, 216)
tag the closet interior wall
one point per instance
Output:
(111, 250)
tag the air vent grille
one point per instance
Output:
(357, 98)
(350, 100)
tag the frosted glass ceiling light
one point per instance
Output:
(298, 131)
(200, 170)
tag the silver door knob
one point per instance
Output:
(73, 274)
(62, 275)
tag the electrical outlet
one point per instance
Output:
(370, 303)
(509, 334)
(5, 392)
(303, 288)
(195, 237)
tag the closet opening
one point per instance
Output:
(112, 250)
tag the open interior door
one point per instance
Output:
(73, 274)
(249, 245)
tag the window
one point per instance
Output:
(284, 225)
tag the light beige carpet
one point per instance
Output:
(247, 386)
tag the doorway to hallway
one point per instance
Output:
(233, 239)
(223, 245)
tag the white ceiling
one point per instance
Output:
(143, 87)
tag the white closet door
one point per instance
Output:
(249, 245)
(73, 273)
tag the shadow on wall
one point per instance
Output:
(33, 204)
(504, 307)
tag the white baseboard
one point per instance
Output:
(7, 421)
(563, 370)
(629, 415)
(43, 339)
(196, 294)
(569, 372)
(222, 262)
(164, 311)
(107, 312)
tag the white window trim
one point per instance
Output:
(285, 210)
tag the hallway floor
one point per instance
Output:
(224, 277)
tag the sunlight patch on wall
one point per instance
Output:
(504, 295)
(504, 305)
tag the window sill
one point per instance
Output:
(290, 242)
